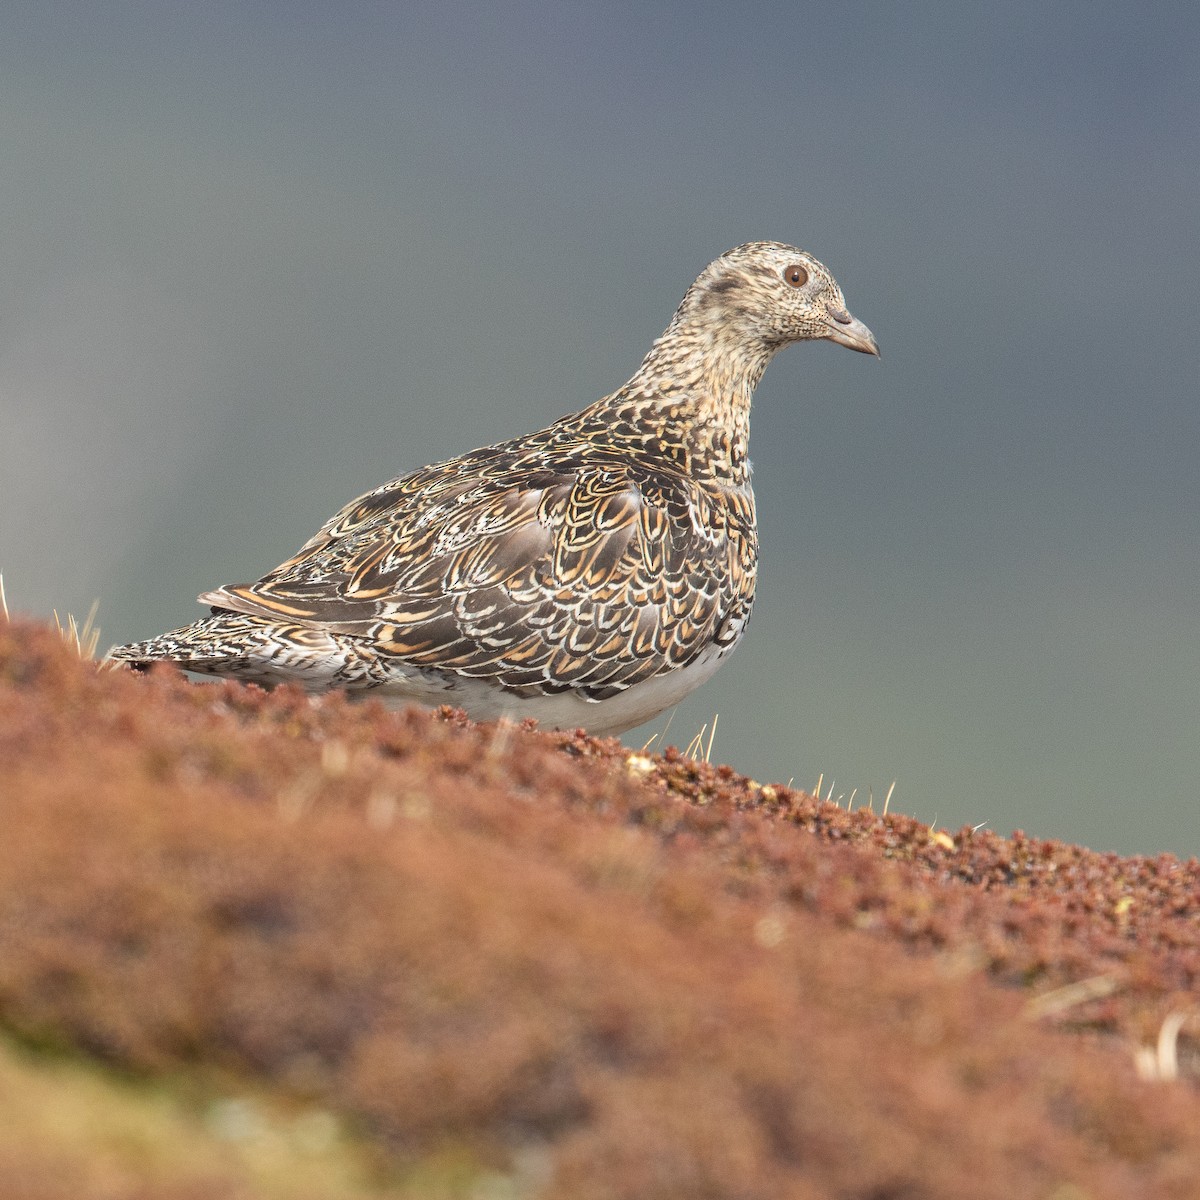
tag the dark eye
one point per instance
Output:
(796, 275)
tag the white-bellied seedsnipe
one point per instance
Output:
(593, 573)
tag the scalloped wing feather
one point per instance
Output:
(590, 576)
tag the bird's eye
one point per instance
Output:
(796, 275)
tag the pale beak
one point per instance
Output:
(850, 331)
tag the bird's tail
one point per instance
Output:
(243, 647)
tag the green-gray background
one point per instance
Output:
(258, 258)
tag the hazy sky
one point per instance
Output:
(257, 259)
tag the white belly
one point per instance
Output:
(486, 701)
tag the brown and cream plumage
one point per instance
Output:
(592, 573)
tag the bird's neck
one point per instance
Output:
(696, 387)
(716, 364)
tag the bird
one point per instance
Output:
(590, 574)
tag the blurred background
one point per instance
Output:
(259, 258)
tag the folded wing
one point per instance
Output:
(589, 575)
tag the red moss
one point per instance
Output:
(666, 979)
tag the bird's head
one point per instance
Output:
(773, 294)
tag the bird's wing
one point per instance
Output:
(584, 575)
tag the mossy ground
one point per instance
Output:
(488, 961)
